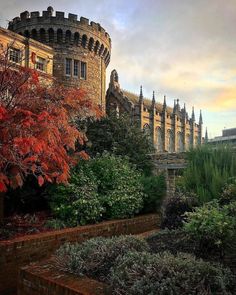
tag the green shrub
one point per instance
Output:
(107, 187)
(165, 274)
(154, 188)
(229, 192)
(208, 169)
(212, 225)
(96, 256)
(120, 136)
(174, 208)
(119, 187)
(77, 202)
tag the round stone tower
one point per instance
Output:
(82, 48)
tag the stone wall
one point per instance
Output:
(19, 252)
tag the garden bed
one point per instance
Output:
(21, 251)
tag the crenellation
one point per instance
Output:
(34, 14)
(84, 21)
(24, 15)
(60, 15)
(72, 17)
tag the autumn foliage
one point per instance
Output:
(37, 132)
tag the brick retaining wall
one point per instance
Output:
(43, 279)
(22, 251)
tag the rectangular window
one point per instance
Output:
(83, 70)
(76, 68)
(41, 64)
(15, 55)
(68, 66)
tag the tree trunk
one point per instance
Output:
(1, 207)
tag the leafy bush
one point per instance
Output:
(77, 202)
(96, 256)
(119, 187)
(164, 274)
(229, 193)
(174, 208)
(154, 188)
(120, 136)
(209, 168)
(212, 225)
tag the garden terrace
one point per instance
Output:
(22, 251)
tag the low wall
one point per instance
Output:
(22, 251)
(43, 279)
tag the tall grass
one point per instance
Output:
(209, 169)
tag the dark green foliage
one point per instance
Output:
(174, 208)
(106, 187)
(212, 225)
(173, 241)
(95, 257)
(122, 137)
(209, 168)
(154, 188)
(165, 274)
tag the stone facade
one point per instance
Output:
(82, 49)
(170, 129)
(27, 52)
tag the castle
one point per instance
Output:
(81, 54)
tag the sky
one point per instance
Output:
(183, 49)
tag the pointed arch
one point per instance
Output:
(34, 34)
(180, 142)
(42, 35)
(91, 44)
(170, 141)
(101, 50)
(84, 41)
(97, 45)
(68, 36)
(51, 35)
(76, 38)
(159, 140)
(27, 34)
(59, 36)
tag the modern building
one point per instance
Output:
(228, 137)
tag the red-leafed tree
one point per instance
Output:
(37, 134)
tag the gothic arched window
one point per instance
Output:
(180, 142)
(159, 140)
(170, 141)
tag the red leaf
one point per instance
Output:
(40, 180)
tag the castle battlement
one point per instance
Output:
(26, 18)
(55, 28)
